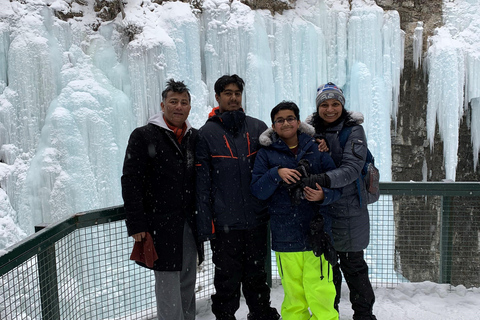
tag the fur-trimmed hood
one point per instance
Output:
(354, 117)
(266, 138)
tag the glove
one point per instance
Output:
(296, 195)
(322, 179)
(320, 241)
(303, 167)
(293, 185)
(295, 190)
(330, 253)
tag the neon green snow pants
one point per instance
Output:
(307, 295)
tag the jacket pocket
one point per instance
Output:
(357, 147)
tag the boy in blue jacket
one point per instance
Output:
(289, 154)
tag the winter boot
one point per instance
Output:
(271, 314)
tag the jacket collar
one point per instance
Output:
(352, 118)
(269, 136)
(232, 120)
(158, 120)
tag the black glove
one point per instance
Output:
(296, 195)
(320, 241)
(293, 185)
(304, 168)
(322, 179)
(295, 190)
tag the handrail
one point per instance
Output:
(30, 246)
(430, 188)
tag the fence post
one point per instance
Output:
(47, 276)
(446, 240)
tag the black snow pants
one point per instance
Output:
(355, 272)
(239, 257)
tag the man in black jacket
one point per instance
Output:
(229, 216)
(158, 191)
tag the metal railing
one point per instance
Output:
(79, 268)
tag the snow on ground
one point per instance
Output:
(408, 301)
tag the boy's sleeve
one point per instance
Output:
(265, 180)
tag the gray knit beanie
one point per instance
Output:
(329, 91)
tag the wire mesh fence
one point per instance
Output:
(79, 268)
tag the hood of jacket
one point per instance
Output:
(353, 118)
(158, 120)
(269, 136)
(214, 112)
(232, 120)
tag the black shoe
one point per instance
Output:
(369, 317)
(271, 314)
(226, 318)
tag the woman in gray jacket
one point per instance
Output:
(350, 225)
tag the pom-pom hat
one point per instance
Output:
(329, 91)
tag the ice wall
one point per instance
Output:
(454, 85)
(63, 135)
(4, 45)
(168, 47)
(78, 159)
(375, 61)
(65, 118)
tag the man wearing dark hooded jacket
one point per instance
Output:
(228, 215)
(158, 193)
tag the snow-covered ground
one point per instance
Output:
(408, 301)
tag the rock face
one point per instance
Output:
(410, 146)
(437, 238)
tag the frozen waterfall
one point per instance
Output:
(70, 93)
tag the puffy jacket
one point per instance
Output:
(158, 189)
(290, 223)
(351, 222)
(225, 152)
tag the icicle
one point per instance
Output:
(475, 127)
(446, 68)
(418, 44)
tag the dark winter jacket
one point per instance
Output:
(158, 189)
(351, 223)
(225, 152)
(290, 223)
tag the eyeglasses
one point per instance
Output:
(281, 121)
